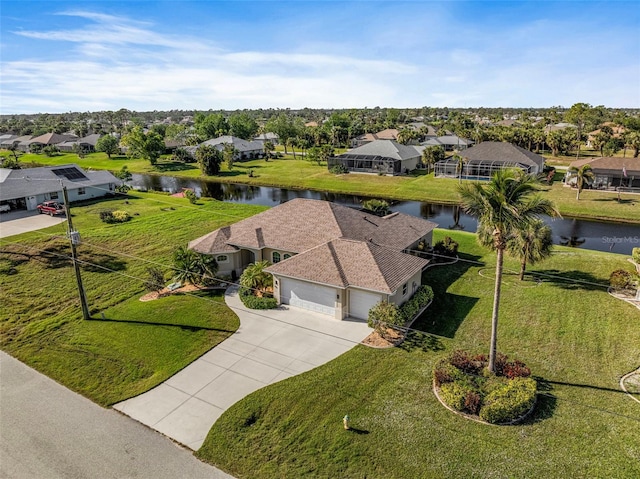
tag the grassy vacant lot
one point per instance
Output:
(576, 338)
(138, 344)
(290, 173)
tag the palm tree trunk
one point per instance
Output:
(523, 267)
(494, 316)
(578, 194)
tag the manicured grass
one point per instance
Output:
(577, 339)
(290, 173)
(140, 344)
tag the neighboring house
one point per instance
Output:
(618, 132)
(50, 139)
(326, 258)
(558, 126)
(17, 142)
(269, 136)
(26, 188)
(245, 150)
(386, 157)
(388, 134)
(610, 172)
(483, 160)
(88, 143)
(449, 142)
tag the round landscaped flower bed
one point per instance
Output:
(463, 383)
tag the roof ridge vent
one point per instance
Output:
(391, 215)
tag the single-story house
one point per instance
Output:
(448, 142)
(268, 136)
(388, 134)
(386, 157)
(245, 150)
(610, 172)
(88, 143)
(20, 142)
(484, 159)
(326, 257)
(28, 187)
(618, 131)
(50, 139)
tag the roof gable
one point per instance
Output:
(502, 152)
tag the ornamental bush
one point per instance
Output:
(444, 372)
(120, 216)
(339, 170)
(621, 279)
(509, 402)
(252, 301)
(422, 297)
(635, 254)
(454, 394)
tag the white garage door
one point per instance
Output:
(320, 299)
(360, 302)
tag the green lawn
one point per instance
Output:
(139, 344)
(290, 173)
(577, 339)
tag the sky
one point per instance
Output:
(62, 56)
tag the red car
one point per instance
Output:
(51, 208)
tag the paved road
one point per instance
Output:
(47, 431)
(269, 346)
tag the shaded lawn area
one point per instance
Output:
(289, 173)
(140, 344)
(578, 340)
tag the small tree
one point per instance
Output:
(108, 144)
(383, 315)
(155, 279)
(193, 267)
(191, 196)
(584, 175)
(431, 155)
(267, 147)
(125, 175)
(209, 159)
(531, 244)
(229, 155)
(256, 278)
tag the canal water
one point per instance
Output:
(595, 235)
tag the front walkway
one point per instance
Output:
(269, 346)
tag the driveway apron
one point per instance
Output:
(269, 346)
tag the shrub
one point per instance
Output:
(191, 196)
(462, 396)
(155, 279)
(377, 207)
(446, 247)
(422, 297)
(466, 363)
(472, 402)
(444, 372)
(621, 279)
(635, 254)
(120, 216)
(339, 170)
(106, 216)
(252, 301)
(384, 314)
(509, 402)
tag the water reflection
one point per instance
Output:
(617, 238)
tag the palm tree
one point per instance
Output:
(267, 147)
(193, 267)
(255, 278)
(531, 244)
(583, 175)
(503, 205)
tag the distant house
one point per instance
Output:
(483, 160)
(245, 150)
(386, 157)
(49, 139)
(340, 264)
(269, 136)
(610, 172)
(448, 142)
(88, 143)
(26, 188)
(558, 126)
(618, 132)
(388, 134)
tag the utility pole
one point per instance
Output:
(74, 238)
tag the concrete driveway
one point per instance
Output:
(17, 222)
(269, 346)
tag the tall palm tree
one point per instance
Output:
(503, 205)
(584, 175)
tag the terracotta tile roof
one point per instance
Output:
(344, 263)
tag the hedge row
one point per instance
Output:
(252, 301)
(422, 297)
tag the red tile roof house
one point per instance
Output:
(326, 258)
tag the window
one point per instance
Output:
(275, 257)
(286, 256)
(81, 191)
(404, 289)
(53, 195)
(223, 258)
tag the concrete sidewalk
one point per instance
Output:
(269, 346)
(17, 222)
